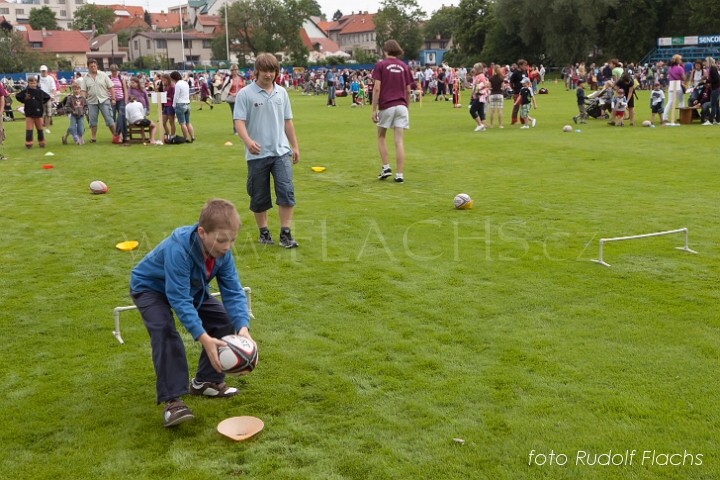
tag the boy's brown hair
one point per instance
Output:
(219, 214)
(392, 48)
(266, 62)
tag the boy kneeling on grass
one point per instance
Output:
(135, 114)
(175, 277)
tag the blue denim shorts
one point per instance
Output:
(258, 182)
(104, 108)
(169, 111)
(182, 113)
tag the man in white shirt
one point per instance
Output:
(47, 85)
(181, 104)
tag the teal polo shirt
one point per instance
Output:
(264, 115)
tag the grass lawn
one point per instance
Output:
(400, 324)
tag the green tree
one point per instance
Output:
(218, 47)
(398, 20)
(267, 26)
(90, 15)
(15, 56)
(442, 23)
(337, 15)
(43, 18)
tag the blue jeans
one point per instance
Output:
(714, 107)
(168, 350)
(77, 127)
(119, 117)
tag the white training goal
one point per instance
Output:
(603, 241)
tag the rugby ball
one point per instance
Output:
(239, 357)
(567, 128)
(463, 201)
(646, 123)
(97, 187)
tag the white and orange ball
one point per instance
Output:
(97, 187)
(463, 201)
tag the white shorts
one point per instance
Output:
(394, 117)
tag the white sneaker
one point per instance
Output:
(533, 122)
(479, 128)
(525, 126)
(707, 122)
(47, 130)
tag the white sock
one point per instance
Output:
(398, 175)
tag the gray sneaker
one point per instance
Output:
(385, 173)
(286, 239)
(175, 413)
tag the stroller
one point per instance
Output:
(597, 104)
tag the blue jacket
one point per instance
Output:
(176, 268)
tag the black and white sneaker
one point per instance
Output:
(286, 239)
(265, 237)
(385, 173)
(210, 389)
(175, 413)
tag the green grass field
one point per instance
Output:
(400, 324)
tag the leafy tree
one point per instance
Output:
(442, 23)
(363, 57)
(89, 14)
(267, 26)
(218, 47)
(15, 56)
(312, 7)
(337, 15)
(398, 20)
(43, 18)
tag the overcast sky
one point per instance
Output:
(328, 6)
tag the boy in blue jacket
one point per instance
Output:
(174, 277)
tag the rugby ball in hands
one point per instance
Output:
(239, 357)
(97, 187)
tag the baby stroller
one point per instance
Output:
(597, 104)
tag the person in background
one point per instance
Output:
(47, 85)
(100, 95)
(230, 88)
(34, 100)
(120, 90)
(391, 95)
(181, 104)
(76, 109)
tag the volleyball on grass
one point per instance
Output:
(463, 201)
(240, 357)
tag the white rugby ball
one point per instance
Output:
(239, 357)
(567, 128)
(463, 201)
(97, 187)
(646, 123)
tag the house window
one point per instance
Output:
(207, 44)
(61, 2)
(187, 44)
(4, 11)
(47, 2)
(147, 44)
(79, 2)
(35, 44)
(63, 13)
(161, 43)
(136, 45)
(20, 11)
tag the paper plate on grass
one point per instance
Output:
(317, 169)
(127, 245)
(240, 428)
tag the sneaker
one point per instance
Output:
(47, 130)
(210, 389)
(175, 413)
(384, 173)
(63, 139)
(479, 128)
(286, 239)
(265, 238)
(534, 121)
(575, 119)
(525, 126)
(399, 179)
(708, 122)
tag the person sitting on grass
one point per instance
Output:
(175, 277)
(135, 114)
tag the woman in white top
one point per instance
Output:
(181, 104)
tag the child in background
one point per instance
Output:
(619, 104)
(204, 95)
(580, 93)
(524, 100)
(355, 90)
(75, 107)
(34, 100)
(657, 97)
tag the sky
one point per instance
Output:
(328, 6)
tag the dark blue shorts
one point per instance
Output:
(258, 182)
(169, 111)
